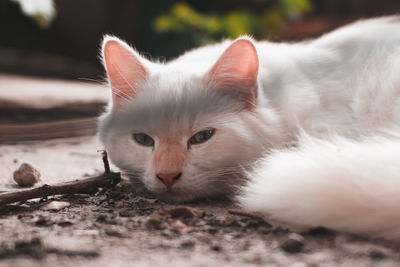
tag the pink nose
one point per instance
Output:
(168, 179)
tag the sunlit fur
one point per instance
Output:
(316, 145)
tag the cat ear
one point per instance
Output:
(124, 68)
(236, 70)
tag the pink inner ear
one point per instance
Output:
(124, 70)
(237, 67)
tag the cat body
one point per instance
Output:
(303, 132)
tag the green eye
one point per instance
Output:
(143, 139)
(201, 136)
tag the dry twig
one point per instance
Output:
(107, 179)
(246, 214)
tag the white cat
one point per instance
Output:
(306, 132)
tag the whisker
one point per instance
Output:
(120, 93)
(91, 80)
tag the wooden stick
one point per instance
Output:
(246, 214)
(107, 179)
(47, 130)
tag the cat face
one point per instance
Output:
(184, 135)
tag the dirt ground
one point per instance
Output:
(117, 227)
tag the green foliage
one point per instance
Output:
(184, 20)
(296, 6)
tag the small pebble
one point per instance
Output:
(43, 222)
(293, 243)
(230, 221)
(126, 213)
(321, 231)
(187, 244)
(216, 247)
(155, 222)
(377, 254)
(212, 230)
(202, 238)
(119, 204)
(55, 205)
(179, 226)
(184, 212)
(65, 223)
(254, 259)
(26, 175)
(115, 233)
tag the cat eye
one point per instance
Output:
(201, 136)
(143, 139)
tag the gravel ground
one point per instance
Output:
(117, 227)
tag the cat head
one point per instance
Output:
(185, 131)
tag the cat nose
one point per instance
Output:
(168, 179)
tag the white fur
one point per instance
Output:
(329, 99)
(342, 184)
(352, 91)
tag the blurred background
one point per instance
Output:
(60, 38)
(51, 79)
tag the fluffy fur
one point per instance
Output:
(301, 129)
(342, 184)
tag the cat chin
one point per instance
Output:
(174, 196)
